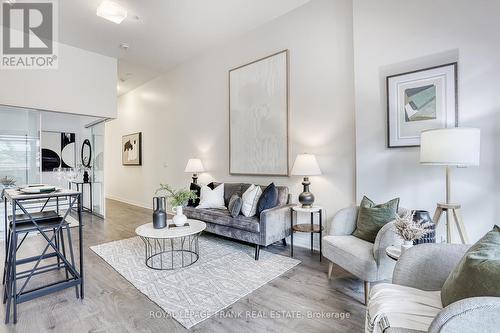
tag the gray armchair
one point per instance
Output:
(426, 267)
(367, 261)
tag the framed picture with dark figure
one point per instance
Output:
(420, 100)
(132, 149)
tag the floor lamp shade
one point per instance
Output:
(450, 146)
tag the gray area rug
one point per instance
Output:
(225, 273)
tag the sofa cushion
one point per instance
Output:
(223, 217)
(353, 254)
(371, 218)
(212, 198)
(478, 272)
(268, 198)
(235, 204)
(240, 188)
(250, 199)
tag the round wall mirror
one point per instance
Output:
(86, 153)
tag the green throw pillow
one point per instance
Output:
(477, 273)
(371, 218)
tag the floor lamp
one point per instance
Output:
(449, 147)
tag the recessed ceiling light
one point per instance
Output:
(111, 11)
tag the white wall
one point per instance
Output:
(185, 113)
(393, 36)
(84, 83)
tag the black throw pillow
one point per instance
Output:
(211, 185)
(197, 189)
(268, 199)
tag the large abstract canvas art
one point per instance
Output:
(58, 150)
(132, 149)
(418, 101)
(258, 117)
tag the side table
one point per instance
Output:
(393, 252)
(306, 227)
(89, 209)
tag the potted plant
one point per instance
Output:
(178, 199)
(410, 230)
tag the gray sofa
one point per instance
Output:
(426, 267)
(271, 226)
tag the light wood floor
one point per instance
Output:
(112, 304)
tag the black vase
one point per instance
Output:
(159, 214)
(424, 217)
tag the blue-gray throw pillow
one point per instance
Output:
(268, 199)
(235, 204)
(197, 189)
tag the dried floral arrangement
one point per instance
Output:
(410, 230)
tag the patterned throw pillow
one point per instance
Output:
(250, 200)
(371, 218)
(478, 272)
(234, 206)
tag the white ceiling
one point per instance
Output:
(162, 33)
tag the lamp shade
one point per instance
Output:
(451, 146)
(305, 165)
(194, 165)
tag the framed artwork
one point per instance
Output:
(132, 149)
(58, 150)
(420, 100)
(258, 117)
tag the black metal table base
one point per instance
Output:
(16, 282)
(311, 230)
(171, 253)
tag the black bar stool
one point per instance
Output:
(46, 222)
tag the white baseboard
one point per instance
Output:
(130, 202)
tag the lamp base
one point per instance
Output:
(306, 198)
(195, 178)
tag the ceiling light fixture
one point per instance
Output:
(111, 11)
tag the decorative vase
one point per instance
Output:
(406, 245)
(424, 217)
(159, 213)
(179, 218)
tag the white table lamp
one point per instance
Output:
(194, 166)
(449, 147)
(306, 165)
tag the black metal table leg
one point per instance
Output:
(13, 261)
(80, 238)
(291, 232)
(312, 233)
(320, 234)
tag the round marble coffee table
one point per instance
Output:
(172, 247)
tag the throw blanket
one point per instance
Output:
(392, 305)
